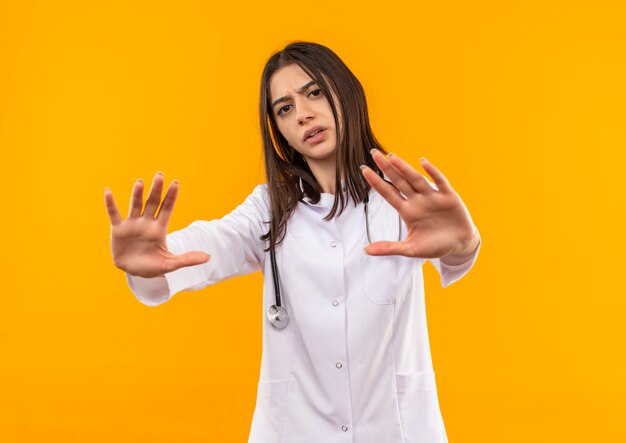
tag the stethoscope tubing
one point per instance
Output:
(276, 314)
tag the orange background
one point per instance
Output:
(520, 104)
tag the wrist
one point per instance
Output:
(466, 249)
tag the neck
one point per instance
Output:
(324, 172)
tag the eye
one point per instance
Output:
(283, 109)
(316, 92)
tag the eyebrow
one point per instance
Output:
(300, 90)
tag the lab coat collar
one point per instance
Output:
(326, 200)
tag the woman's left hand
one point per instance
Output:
(438, 223)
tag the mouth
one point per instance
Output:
(312, 133)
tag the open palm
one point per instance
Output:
(438, 223)
(139, 243)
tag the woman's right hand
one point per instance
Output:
(138, 244)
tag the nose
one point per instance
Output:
(303, 112)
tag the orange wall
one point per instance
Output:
(520, 104)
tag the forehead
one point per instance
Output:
(286, 80)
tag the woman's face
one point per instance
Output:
(303, 114)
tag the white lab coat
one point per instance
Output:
(354, 364)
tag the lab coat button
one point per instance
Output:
(339, 365)
(335, 302)
(344, 428)
(333, 243)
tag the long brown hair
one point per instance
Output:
(285, 168)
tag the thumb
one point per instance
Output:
(386, 248)
(190, 259)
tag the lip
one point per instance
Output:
(311, 131)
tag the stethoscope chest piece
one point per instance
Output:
(277, 316)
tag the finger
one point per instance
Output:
(385, 165)
(109, 202)
(168, 203)
(136, 200)
(416, 180)
(154, 198)
(188, 259)
(381, 248)
(440, 180)
(387, 191)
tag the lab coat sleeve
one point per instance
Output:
(233, 242)
(449, 274)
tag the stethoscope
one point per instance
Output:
(277, 314)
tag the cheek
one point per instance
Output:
(329, 111)
(337, 106)
(285, 132)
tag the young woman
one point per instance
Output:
(341, 232)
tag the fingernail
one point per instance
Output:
(389, 154)
(107, 189)
(373, 151)
(175, 182)
(362, 167)
(423, 159)
(159, 173)
(140, 180)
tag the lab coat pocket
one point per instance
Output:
(419, 408)
(269, 415)
(387, 280)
